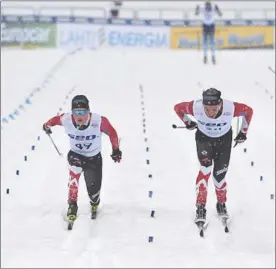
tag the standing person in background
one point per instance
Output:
(208, 13)
(114, 10)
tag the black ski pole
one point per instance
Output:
(270, 68)
(54, 145)
(178, 127)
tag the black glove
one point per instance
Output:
(240, 138)
(191, 125)
(47, 129)
(116, 155)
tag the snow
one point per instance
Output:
(32, 227)
(23, 67)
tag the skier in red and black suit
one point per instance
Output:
(84, 130)
(213, 141)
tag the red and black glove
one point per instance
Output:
(116, 155)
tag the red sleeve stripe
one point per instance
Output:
(183, 109)
(244, 111)
(54, 121)
(108, 129)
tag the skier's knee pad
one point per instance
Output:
(206, 162)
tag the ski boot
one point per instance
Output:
(200, 215)
(223, 215)
(72, 211)
(72, 214)
(213, 59)
(94, 209)
(200, 219)
(205, 59)
(222, 211)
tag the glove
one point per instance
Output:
(191, 125)
(240, 138)
(47, 129)
(116, 155)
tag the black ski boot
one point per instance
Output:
(213, 59)
(200, 215)
(223, 215)
(221, 210)
(72, 211)
(94, 209)
(205, 59)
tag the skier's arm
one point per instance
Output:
(218, 10)
(197, 10)
(54, 121)
(108, 129)
(183, 110)
(246, 112)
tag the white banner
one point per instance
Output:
(113, 36)
(89, 36)
(73, 36)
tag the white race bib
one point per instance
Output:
(214, 127)
(84, 142)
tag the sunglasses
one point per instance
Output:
(79, 112)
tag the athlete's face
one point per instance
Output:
(212, 111)
(208, 5)
(80, 115)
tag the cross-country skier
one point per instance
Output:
(84, 130)
(213, 141)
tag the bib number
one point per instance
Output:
(214, 126)
(83, 146)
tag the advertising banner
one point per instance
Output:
(28, 35)
(74, 36)
(232, 37)
(87, 36)
(112, 36)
